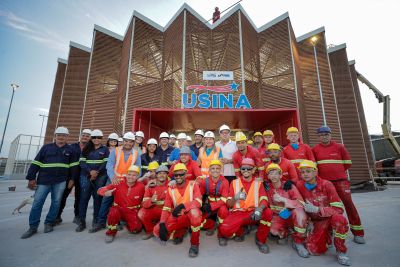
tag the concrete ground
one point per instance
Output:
(379, 211)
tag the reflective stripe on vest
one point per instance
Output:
(334, 161)
(206, 160)
(119, 171)
(178, 198)
(252, 197)
(296, 160)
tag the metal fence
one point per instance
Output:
(23, 150)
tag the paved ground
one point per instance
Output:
(380, 213)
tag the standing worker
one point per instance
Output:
(139, 137)
(172, 140)
(198, 142)
(150, 155)
(289, 173)
(112, 141)
(258, 142)
(208, 153)
(164, 150)
(268, 137)
(333, 161)
(182, 141)
(54, 164)
(228, 148)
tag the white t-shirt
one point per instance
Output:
(227, 152)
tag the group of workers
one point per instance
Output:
(174, 186)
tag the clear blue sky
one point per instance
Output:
(35, 33)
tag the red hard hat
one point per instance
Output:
(248, 161)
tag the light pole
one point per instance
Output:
(14, 87)
(41, 127)
(314, 40)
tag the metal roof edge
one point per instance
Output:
(352, 62)
(61, 60)
(273, 22)
(108, 32)
(310, 34)
(336, 48)
(79, 46)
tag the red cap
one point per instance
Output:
(248, 161)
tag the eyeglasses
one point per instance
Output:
(246, 169)
(179, 174)
(97, 137)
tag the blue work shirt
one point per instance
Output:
(76, 148)
(176, 152)
(163, 155)
(95, 160)
(195, 149)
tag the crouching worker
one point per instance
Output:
(181, 210)
(214, 189)
(153, 201)
(128, 195)
(325, 210)
(249, 206)
(288, 211)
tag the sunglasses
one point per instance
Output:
(179, 174)
(246, 168)
(97, 137)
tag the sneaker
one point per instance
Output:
(48, 228)
(343, 259)
(359, 239)
(109, 238)
(76, 220)
(147, 236)
(193, 251)
(263, 248)
(301, 250)
(58, 221)
(81, 227)
(282, 241)
(29, 233)
(239, 238)
(177, 240)
(97, 227)
(222, 241)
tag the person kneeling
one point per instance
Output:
(128, 195)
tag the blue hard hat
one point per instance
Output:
(324, 129)
(185, 150)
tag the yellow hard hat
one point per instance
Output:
(134, 168)
(274, 146)
(250, 142)
(240, 136)
(216, 162)
(273, 166)
(268, 133)
(292, 130)
(307, 164)
(257, 134)
(180, 167)
(153, 166)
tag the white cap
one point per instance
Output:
(182, 136)
(209, 134)
(152, 141)
(199, 132)
(188, 138)
(129, 136)
(224, 127)
(164, 135)
(61, 130)
(113, 136)
(172, 136)
(120, 139)
(87, 131)
(139, 134)
(96, 133)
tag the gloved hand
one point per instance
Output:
(266, 186)
(310, 208)
(240, 195)
(178, 210)
(279, 198)
(288, 185)
(163, 232)
(256, 215)
(206, 208)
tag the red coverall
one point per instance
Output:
(252, 153)
(237, 219)
(150, 212)
(333, 161)
(298, 218)
(330, 217)
(288, 170)
(217, 199)
(296, 156)
(191, 214)
(193, 170)
(126, 205)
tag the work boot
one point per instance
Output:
(57, 221)
(359, 239)
(301, 250)
(31, 231)
(97, 227)
(48, 228)
(76, 220)
(222, 241)
(193, 251)
(239, 238)
(210, 232)
(177, 240)
(81, 226)
(282, 241)
(120, 227)
(343, 259)
(262, 247)
(109, 238)
(147, 236)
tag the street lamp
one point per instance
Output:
(41, 127)
(314, 41)
(14, 87)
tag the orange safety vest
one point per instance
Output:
(121, 166)
(252, 197)
(206, 160)
(177, 198)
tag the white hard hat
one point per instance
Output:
(152, 141)
(87, 131)
(120, 139)
(97, 133)
(61, 130)
(224, 127)
(172, 136)
(182, 136)
(129, 136)
(209, 134)
(188, 138)
(199, 132)
(139, 134)
(164, 135)
(113, 136)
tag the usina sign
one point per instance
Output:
(221, 98)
